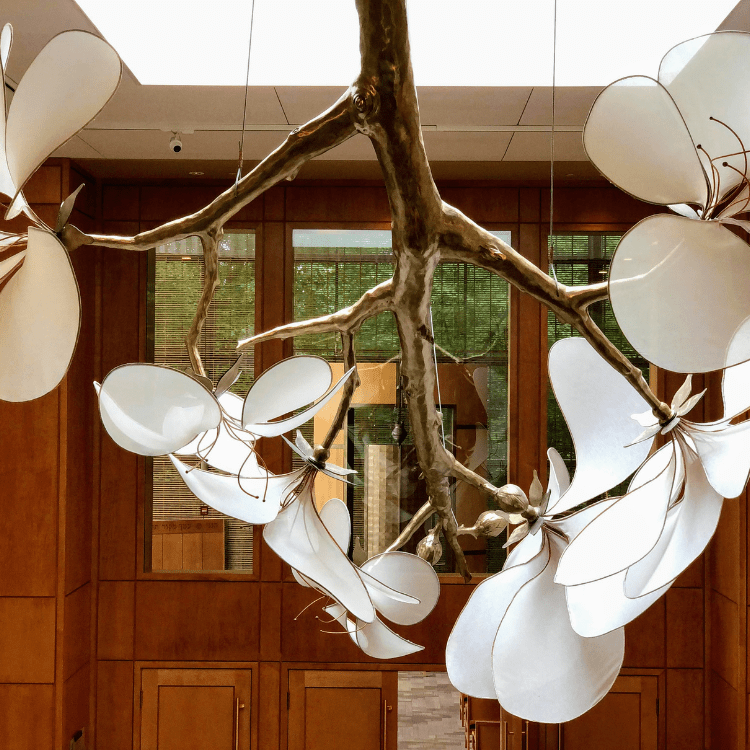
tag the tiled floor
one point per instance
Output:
(428, 716)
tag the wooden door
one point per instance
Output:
(195, 709)
(340, 710)
(627, 719)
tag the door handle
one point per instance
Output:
(238, 707)
(386, 710)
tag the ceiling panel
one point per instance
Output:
(471, 105)
(572, 105)
(536, 147)
(153, 144)
(458, 146)
(302, 103)
(188, 107)
(77, 148)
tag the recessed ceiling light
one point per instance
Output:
(471, 43)
(197, 174)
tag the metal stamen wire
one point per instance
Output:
(244, 109)
(550, 244)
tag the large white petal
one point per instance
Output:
(725, 455)
(335, 516)
(272, 429)
(255, 500)
(735, 386)
(299, 537)
(286, 387)
(680, 292)
(706, 76)
(468, 654)
(626, 531)
(559, 478)
(40, 315)
(688, 529)
(406, 573)
(597, 403)
(601, 606)
(6, 182)
(153, 410)
(637, 139)
(543, 670)
(65, 87)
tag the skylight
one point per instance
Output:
(455, 42)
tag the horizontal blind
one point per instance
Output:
(179, 275)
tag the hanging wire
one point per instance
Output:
(437, 379)
(550, 243)
(244, 108)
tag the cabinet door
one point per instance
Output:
(194, 709)
(625, 720)
(336, 710)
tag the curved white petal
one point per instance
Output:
(468, 654)
(335, 516)
(626, 531)
(637, 139)
(65, 87)
(530, 546)
(597, 403)
(286, 387)
(735, 387)
(673, 281)
(601, 606)
(559, 478)
(725, 455)
(555, 675)
(8, 264)
(256, 501)
(153, 410)
(40, 316)
(6, 41)
(299, 537)
(688, 529)
(376, 639)
(684, 210)
(409, 574)
(272, 429)
(705, 78)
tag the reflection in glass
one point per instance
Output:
(185, 534)
(332, 269)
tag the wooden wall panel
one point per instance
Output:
(27, 639)
(116, 620)
(685, 709)
(27, 716)
(336, 203)
(76, 707)
(76, 630)
(724, 639)
(685, 625)
(485, 205)
(182, 620)
(114, 705)
(725, 730)
(594, 205)
(645, 638)
(120, 202)
(269, 692)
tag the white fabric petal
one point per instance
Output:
(601, 606)
(256, 501)
(65, 87)
(705, 78)
(725, 456)
(528, 547)
(688, 529)
(597, 403)
(335, 516)
(272, 429)
(40, 316)
(376, 639)
(684, 210)
(468, 653)
(406, 573)
(6, 42)
(286, 387)
(299, 537)
(628, 529)
(153, 410)
(303, 446)
(637, 139)
(673, 281)
(735, 387)
(8, 264)
(6, 182)
(556, 675)
(559, 478)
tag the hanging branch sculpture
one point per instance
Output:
(582, 567)
(382, 104)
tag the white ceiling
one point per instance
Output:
(478, 132)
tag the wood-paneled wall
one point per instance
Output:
(80, 504)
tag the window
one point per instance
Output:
(186, 535)
(583, 258)
(332, 269)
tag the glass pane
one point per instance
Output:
(187, 535)
(583, 258)
(332, 269)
